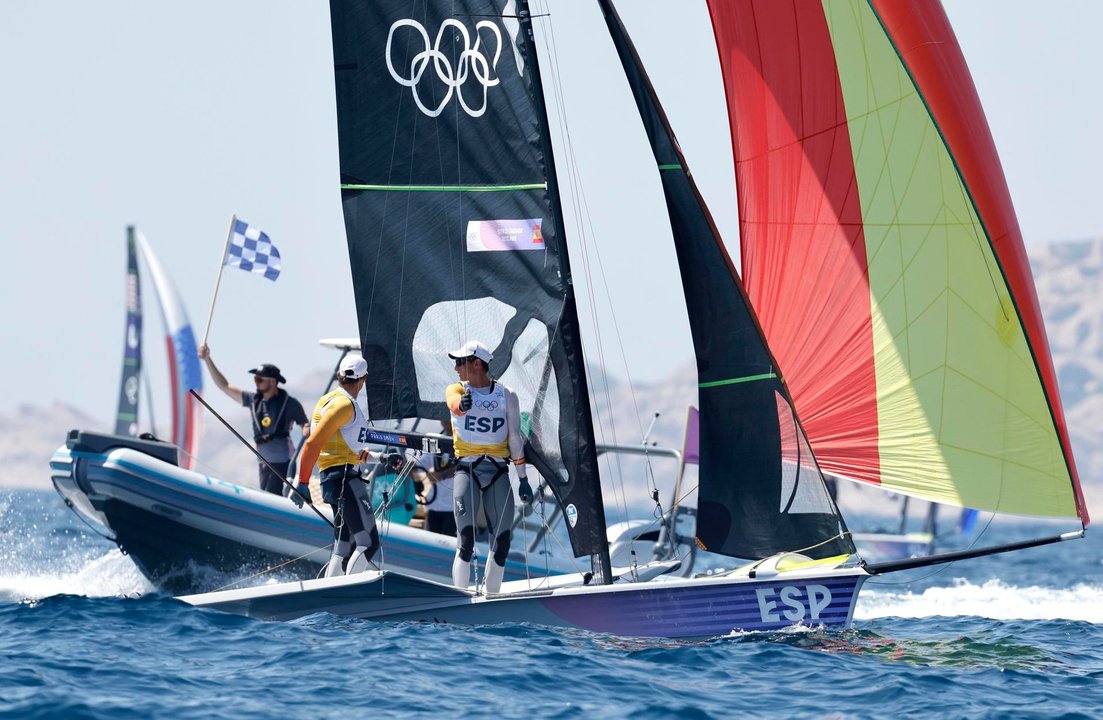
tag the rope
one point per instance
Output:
(585, 231)
(270, 569)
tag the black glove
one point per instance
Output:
(524, 491)
(300, 494)
(393, 461)
(465, 402)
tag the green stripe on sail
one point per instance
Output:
(734, 381)
(126, 416)
(446, 188)
(670, 167)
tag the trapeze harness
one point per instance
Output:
(482, 433)
(481, 440)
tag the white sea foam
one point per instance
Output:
(994, 599)
(112, 575)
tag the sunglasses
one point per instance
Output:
(460, 362)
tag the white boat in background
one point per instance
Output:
(937, 528)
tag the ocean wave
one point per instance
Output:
(993, 599)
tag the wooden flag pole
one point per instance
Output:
(218, 280)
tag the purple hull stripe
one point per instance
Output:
(705, 611)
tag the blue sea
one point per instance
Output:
(82, 635)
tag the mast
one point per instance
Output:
(572, 339)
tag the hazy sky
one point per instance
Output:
(174, 116)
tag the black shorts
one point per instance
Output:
(271, 482)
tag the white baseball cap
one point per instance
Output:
(472, 348)
(352, 367)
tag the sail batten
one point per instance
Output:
(733, 381)
(869, 188)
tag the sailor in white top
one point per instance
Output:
(486, 428)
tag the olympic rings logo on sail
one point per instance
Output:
(472, 63)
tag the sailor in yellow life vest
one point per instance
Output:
(486, 428)
(338, 434)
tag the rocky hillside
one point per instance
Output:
(29, 435)
(1069, 277)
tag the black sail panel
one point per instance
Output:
(451, 228)
(760, 490)
(126, 417)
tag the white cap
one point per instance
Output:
(472, 348)
(352, 367)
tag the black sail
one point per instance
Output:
(126, 418)
(452, 225)
(761, 491)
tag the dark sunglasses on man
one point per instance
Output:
(464, 360)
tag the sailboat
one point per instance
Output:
(885, 329)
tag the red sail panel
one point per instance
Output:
(922, 35)
(801, 221)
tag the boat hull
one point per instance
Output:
(683, 608)
(189, 532)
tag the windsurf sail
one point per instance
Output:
(760, 490)
(184, 371)
(126, 418)
(453, 226)
(881, 252)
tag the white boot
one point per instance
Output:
(358, 562)
(461, 572)
(335, 566)
(494, 574)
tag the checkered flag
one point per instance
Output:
(252, 251)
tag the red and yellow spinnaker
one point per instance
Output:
(881, 252)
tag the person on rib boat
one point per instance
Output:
(486, 428)
(274, 413)
(337, 442)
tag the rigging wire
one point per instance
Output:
(585, 232)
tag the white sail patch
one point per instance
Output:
(532, 377)
(447, 325)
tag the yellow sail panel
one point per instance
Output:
(962, 413)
